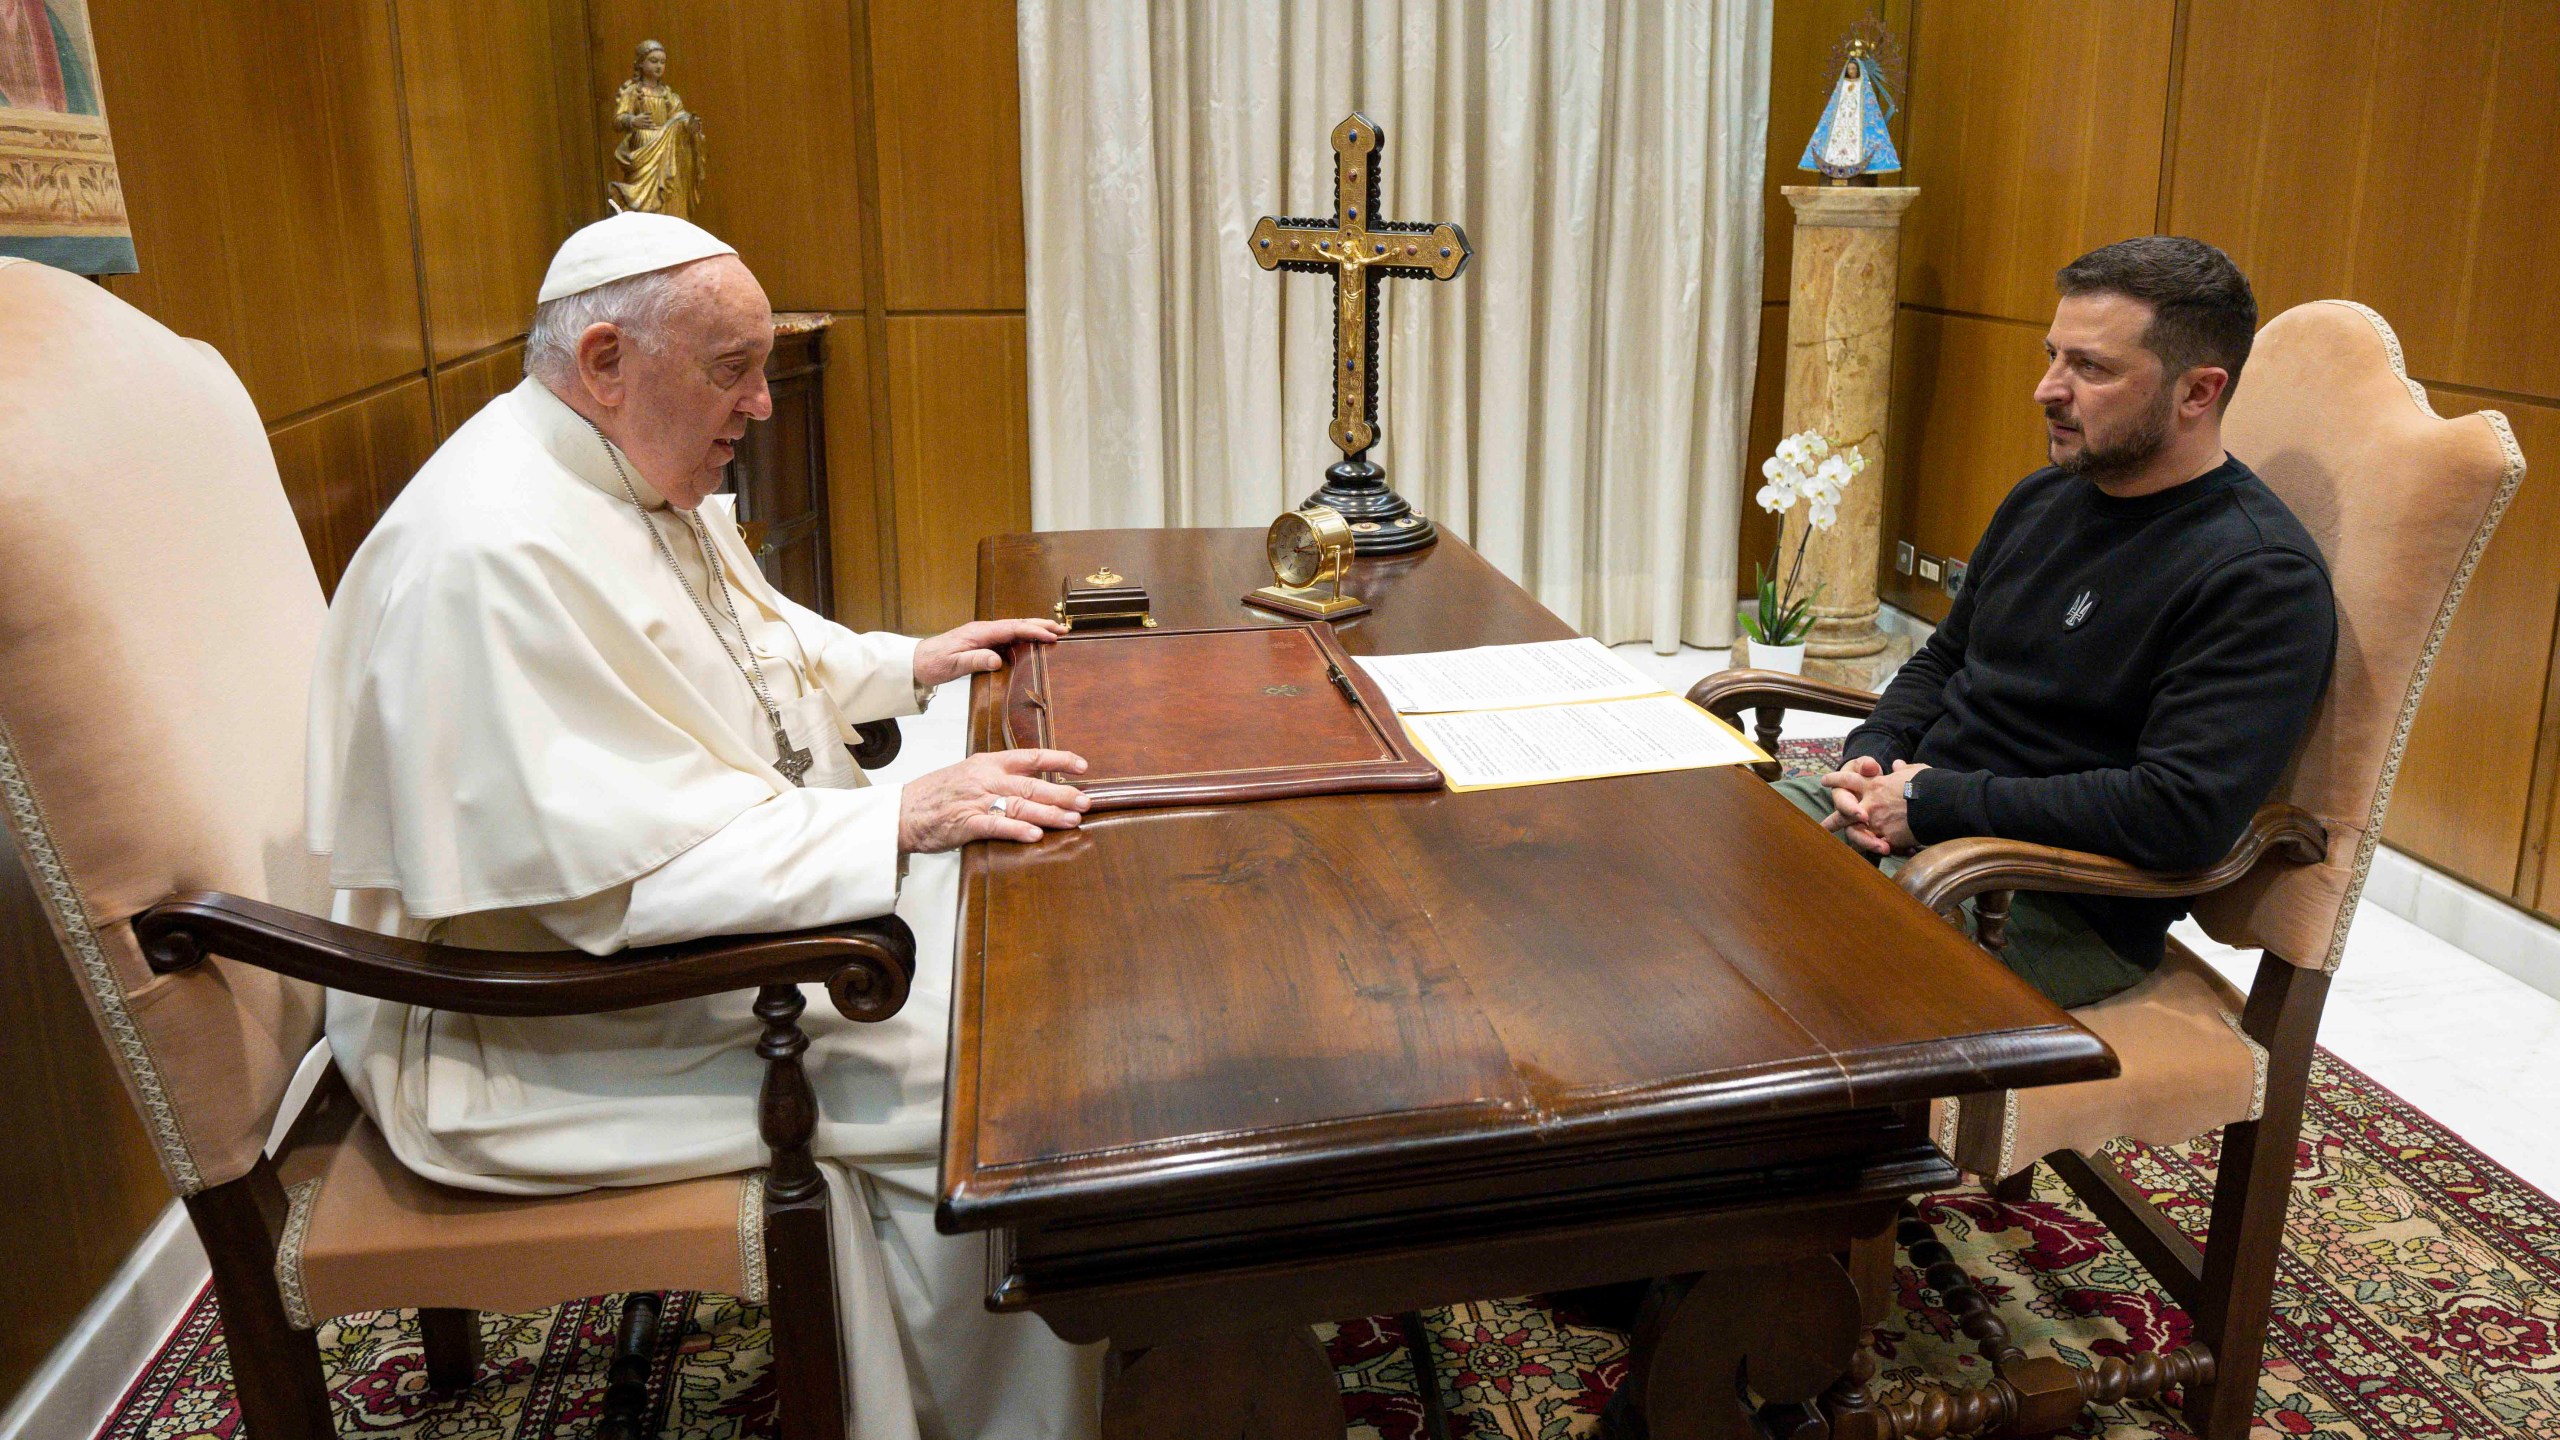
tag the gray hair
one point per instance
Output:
(640, 305)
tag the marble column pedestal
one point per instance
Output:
(1848, 243)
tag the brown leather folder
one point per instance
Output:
(1195, 717)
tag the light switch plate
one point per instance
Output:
(1903, 555)
(1930, 570)
(1956, 571)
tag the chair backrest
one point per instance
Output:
(158, 618)
(2402, 501)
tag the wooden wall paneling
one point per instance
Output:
(259, 143)
(497, 190)
(2512, 295)
(948, 100)
(83, 1184)
(1801, 35)
(2035, 137)
(854, 493)
(960, 438)
(2328, 168)
(1964, 431)
(1768, 413)
(2539, 875)
(466, 385)
(2462, 797)
(774, 87)
(342, 466)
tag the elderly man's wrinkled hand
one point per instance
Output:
(995, 796)
(975, 647)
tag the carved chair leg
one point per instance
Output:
(626, 1386)
(2026, 1397)
(453, 1348)
(275, 1368)
(808, 1352)
(2246, 1235)
(1768, 722)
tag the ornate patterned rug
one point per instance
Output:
(2419, 1296)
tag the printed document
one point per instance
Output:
(1504, 677)
(1489, 749)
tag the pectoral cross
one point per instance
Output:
(1359, 249)
(793, 763)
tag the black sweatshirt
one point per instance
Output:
(2128, 677)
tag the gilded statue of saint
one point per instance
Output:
(660, 157)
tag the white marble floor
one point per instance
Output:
(2460, 1039)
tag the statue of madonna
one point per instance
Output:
(660, 157)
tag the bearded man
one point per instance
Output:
(557, 706)
(2142, 636)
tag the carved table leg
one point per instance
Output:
(1785, 1331)
(1269, 1385)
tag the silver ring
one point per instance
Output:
(1001, 805)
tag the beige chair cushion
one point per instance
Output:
(2401, 503)
(365, 1233)
(158, 618)
(2187, 1069)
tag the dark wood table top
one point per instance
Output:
(1174, 1011)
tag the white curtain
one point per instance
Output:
(1575, 405)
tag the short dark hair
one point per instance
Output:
(2202, 311)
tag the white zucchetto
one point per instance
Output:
(618, 247)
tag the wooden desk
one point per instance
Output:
(1221, 1072)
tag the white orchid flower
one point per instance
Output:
(1822, 515)
(1772, 471)
(1815, 445)
(1776, 499)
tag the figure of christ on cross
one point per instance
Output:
(1358, 249)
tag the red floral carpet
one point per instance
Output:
(2419, 1296)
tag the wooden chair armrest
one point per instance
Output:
(866, 965)
(876, 743)
(1728, 693)
(1948, 874)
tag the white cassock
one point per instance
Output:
(524, 735)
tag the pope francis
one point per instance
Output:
(557, 705)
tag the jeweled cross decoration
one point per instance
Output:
(1359, 249)
(793, 763)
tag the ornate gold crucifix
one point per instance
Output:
(1359, 249)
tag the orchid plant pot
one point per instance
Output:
(1786, 659)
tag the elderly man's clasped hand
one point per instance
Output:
(1869, 807)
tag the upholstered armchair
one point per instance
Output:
(2401, 502)
(158, 619)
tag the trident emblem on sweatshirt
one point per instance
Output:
(2080, 609)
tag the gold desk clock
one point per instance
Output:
(1309, 550)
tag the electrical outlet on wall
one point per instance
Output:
(1903, 554)
(1956, 570)
(1932, 571)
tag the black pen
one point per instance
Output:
(1341, 682)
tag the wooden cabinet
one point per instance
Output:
(780, 473)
